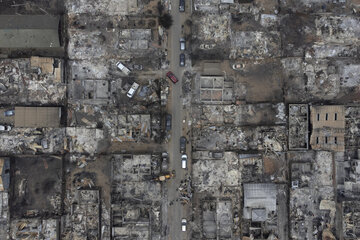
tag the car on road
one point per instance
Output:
(132, 90)
(184, 161)
(165, 161)
(183, 225)
(182, 5)
(9, 113)
(182, 144)
(172, 77)
(182, 60)
(182, 44)
(5, 128)
(168, 122)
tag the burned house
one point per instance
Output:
(351, 219)
(251, 114)
(84, 220)
(217, 219)
(135, 197)
(348, 176)
(36, 80)
(328, 128)
(352, 120)
(85, 156)
(264, 211)
(83, 140)
(214, 89)
(217, 180)
(312, 196)
(135, 221)
(298, 127)
(135, 127)
(90, 91)
(241, 138)
(29, 141)
(35, 229)
(113, 124)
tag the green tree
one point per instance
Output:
(166, 20)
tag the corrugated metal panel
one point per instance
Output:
(29, 31)
(37, 116)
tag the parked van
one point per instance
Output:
(182, 44)
(123, 68)
(183, 225)
(182, 5)
(184, 161)
(132, 90)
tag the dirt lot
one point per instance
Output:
(36, 186)
(262, 80)
(96, 173)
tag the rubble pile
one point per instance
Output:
(262, 97)
(186, 191)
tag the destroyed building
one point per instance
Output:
(85, 216)
(312, 196)
(217, 195)
(239, 115)
(135, 197)
(34, 229)
(36, 80)
(242, 138)
(217, 181)
(266, 99)
(351, 219)
(133, 127)
(352, 118)
(264, 210)
(298, 127)
(348, 184)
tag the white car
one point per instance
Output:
(238, 66)
(5, 128)
(123, 68)
(182, 44)
(183, 225)
(132, 90)
(184, 161)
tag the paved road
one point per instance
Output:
(176, 211)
